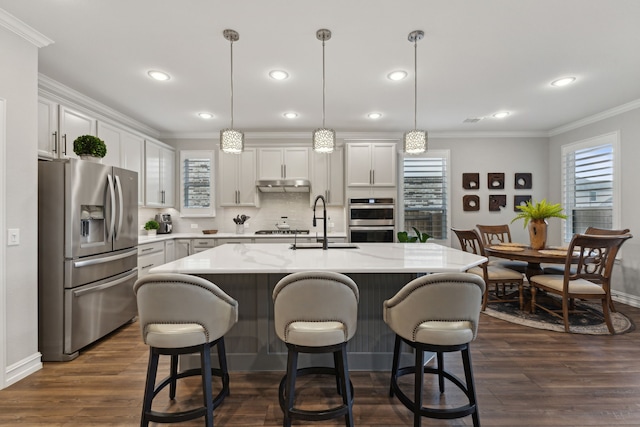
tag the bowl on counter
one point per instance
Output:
(209, 231)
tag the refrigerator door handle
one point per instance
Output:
(113, 207)
(81, 292)
(102, 260)
(120, 207)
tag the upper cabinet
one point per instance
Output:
(281, 163)
(159, 174)
(58, 127)
(238, 178)
(371, 164)
(197, 184)
(328, 177)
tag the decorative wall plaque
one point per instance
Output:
(520, 200)
(497, 201)
(523, 181)
(471, 181)
(495, 181)
(470, 203)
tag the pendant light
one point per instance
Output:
(231, 140)
(323, 139)
(415, 141)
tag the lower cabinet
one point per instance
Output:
(199, 245)
(149, 255)
(182, 248)
(169, 250)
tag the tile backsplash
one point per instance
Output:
(295, 206)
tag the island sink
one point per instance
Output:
(319, 246)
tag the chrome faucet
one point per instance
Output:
(324, 219)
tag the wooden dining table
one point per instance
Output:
(533, 257)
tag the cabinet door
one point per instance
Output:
(169, 251)
(319, 175)
(383, 164)
(247, 193)
(48, 136)
(72, 125)
(229, 166)
(152, 189)
(359, 165)
(335, 178)
(271, 163)
(132, 158)
(168, 177)
(296, 163)
(112, 137)
(182, 249)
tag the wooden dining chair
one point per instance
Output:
(590, 279)
(495, 235)
(495, 275)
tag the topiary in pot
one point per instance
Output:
(89, 145)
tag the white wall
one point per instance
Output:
(626, 277)
(19, 87)
(488, 155)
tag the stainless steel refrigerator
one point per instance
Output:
(87, 254)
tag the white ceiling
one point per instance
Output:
(477, 58)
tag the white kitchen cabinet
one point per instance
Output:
(149, 255)
(281, 163)
(112, 137)
(199, 245)
(58, 127)
(169, 250)
(238, 178)
(159, 174)
(327, 177)
(371, 164)
(182, 248)
(197, 194)
(132, 158)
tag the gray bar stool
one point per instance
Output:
(182, 314)
(438, 313)
(316, 312)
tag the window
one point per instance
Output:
(196, 184)
(591, 196)
(425, 193)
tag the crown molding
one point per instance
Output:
(56, 91)
(596, 117)
(15, 25)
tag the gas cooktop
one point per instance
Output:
(288, 231)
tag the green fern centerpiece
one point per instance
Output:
(539, 210)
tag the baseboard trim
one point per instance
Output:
(23, 368)
(632, 300)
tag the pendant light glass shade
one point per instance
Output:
(415, 141)
(231, 141)
(324, 140)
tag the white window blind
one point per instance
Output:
(425, 192)
(590, 170)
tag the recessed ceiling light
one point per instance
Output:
(563, 81)
(397, 75)
(278, 74)
(374, 115)
(290, 115)
(501, 114)
(159, 75)
(205, 115)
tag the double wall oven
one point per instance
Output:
(371, 220)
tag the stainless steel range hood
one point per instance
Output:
(283, 185)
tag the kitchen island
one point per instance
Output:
(249, 272)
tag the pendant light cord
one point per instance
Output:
(323, 85)
(415, 84)
(231, 84)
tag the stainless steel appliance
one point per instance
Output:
(87, 254)
(371, 220)
(164, 220)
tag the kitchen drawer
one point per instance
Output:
(200, 245)
(149, 248)
(147, 262)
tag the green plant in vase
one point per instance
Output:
(89, 145)
(152, 227)
(535, 216)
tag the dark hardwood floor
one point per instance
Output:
(525, 377)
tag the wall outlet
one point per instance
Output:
(194, 225)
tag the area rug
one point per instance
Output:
(590, 321)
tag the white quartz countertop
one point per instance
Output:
(161, 237)
(258, 258)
